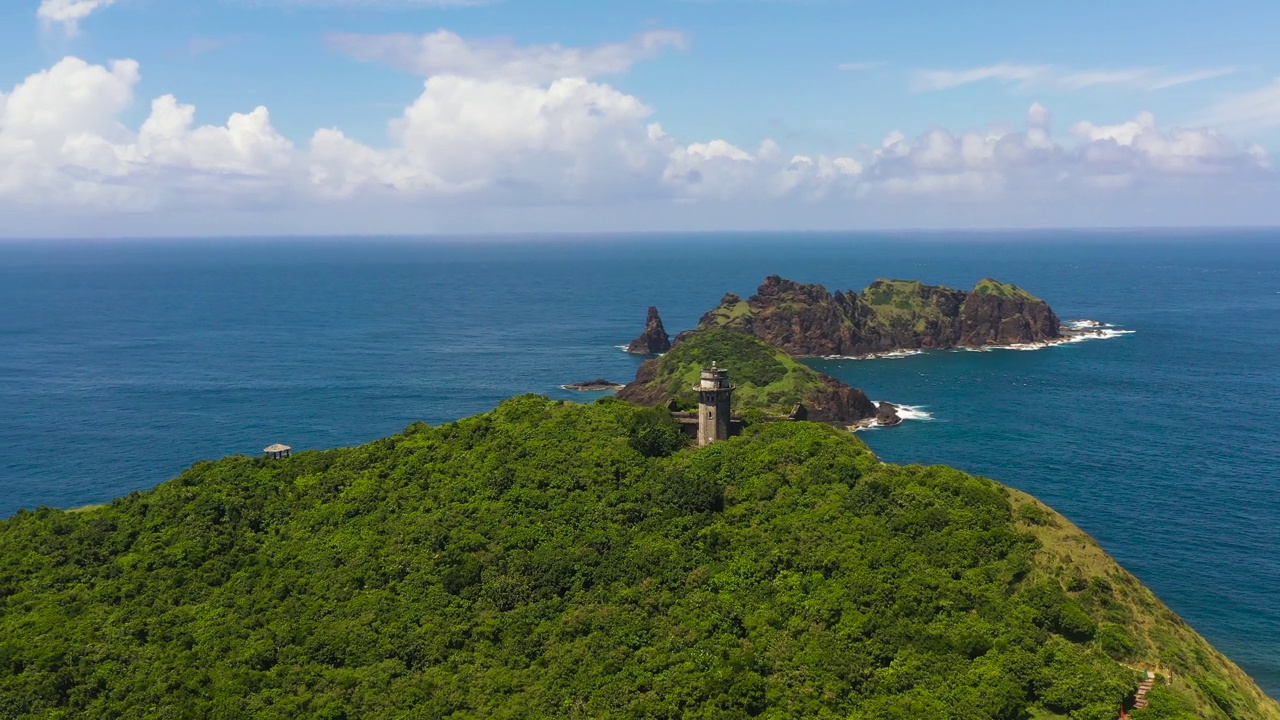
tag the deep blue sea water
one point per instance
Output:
(123, 362)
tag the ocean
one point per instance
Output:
(122, 362)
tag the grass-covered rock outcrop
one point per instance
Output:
(769, 382)
(556, 560)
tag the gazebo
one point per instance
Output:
(277, 451)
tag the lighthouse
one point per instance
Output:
(714, 395)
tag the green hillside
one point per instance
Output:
(731, 310)
(907, 305)
(768, 381)
(555, 560)
(766, 378)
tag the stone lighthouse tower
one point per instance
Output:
(714, 394)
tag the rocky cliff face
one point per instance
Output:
(839, 403)
(644, 390)
(654, 339)
(809, 320)
(999, 314)
(802, 319)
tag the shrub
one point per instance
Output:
(654, 433)
(1116, 641)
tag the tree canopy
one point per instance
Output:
(550, 559)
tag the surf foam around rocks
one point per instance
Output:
(1073, 331)
(903, 412)
(913, 412)
(1080, 330)
(890, 355)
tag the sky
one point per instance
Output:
(301, 117)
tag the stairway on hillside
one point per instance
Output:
(1140, 700)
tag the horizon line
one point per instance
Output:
(589, 234)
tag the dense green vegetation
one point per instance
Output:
(910, 304)
(549, 559)
(899, 294)
(767, 379)
(1135, 628)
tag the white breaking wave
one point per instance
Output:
(913, 412)
(906, 412)
(1103, 334)
(891, 355)
(1073, 331)
(1084, 324)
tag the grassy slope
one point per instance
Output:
(1213, 684)
(902, 303)
(766, 378)
(725, 314)
(990, 286)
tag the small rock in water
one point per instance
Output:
(887, 414)
(597, 384)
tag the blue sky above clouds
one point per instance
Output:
(152, 117)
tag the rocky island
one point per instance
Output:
(807, 320)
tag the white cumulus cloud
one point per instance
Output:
(991, 164)
(61, 142)
(566, 139)
(494, 129)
